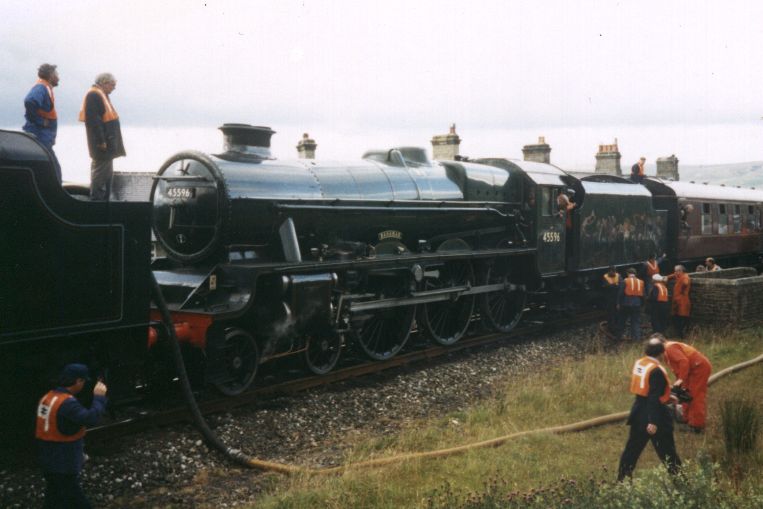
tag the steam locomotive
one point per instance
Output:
(266, 258)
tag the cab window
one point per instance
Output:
(548, 201)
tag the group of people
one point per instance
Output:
(625, 298)
(104, 135)
(650, 418)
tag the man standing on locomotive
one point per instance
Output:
(629, 300)
(681, 308)
(637, 171)
(40, 115)
(60, 429)
(650, 419)
(104, 136)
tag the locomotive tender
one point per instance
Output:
(268, 258)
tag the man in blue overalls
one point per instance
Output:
(60, 428)
(40, 111)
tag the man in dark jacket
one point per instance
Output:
(104, 136)
(60, 428)
(650, 419)
(40, 111)
(611, 286)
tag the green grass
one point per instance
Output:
(565, 392)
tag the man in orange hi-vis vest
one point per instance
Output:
(659, 304)
(650, 418)
(692, 370)
(60, 429)
(104, 135)
(629, 300)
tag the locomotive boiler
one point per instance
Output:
(267, 258)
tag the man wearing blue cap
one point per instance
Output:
(61, 421)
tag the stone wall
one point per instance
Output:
(726, 297)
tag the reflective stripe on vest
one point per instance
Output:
(109, 113)
(49, 115)
(47, 419)
(652, 268)
(634, 287)
(662, 292)
(612, 280)
(642, 369)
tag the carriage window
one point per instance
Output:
(737, 219)
(707, 219)
(723, 220)
(749, 224)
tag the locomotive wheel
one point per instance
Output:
(386, 331)
(502, 310)
(382, 335)
(447, 321)
(322, 352)
(240, 357)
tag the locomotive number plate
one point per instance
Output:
(552, 237)
(183, 193)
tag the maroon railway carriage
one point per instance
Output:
(722, 222)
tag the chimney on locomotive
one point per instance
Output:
(244, 141)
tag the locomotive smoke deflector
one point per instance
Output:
(246, 142)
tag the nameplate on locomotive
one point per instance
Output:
(390, 234)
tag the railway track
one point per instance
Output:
(144, 420)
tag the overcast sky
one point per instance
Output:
(398, 66)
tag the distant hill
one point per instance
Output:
(732, 174)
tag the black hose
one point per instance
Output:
(212, 439)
